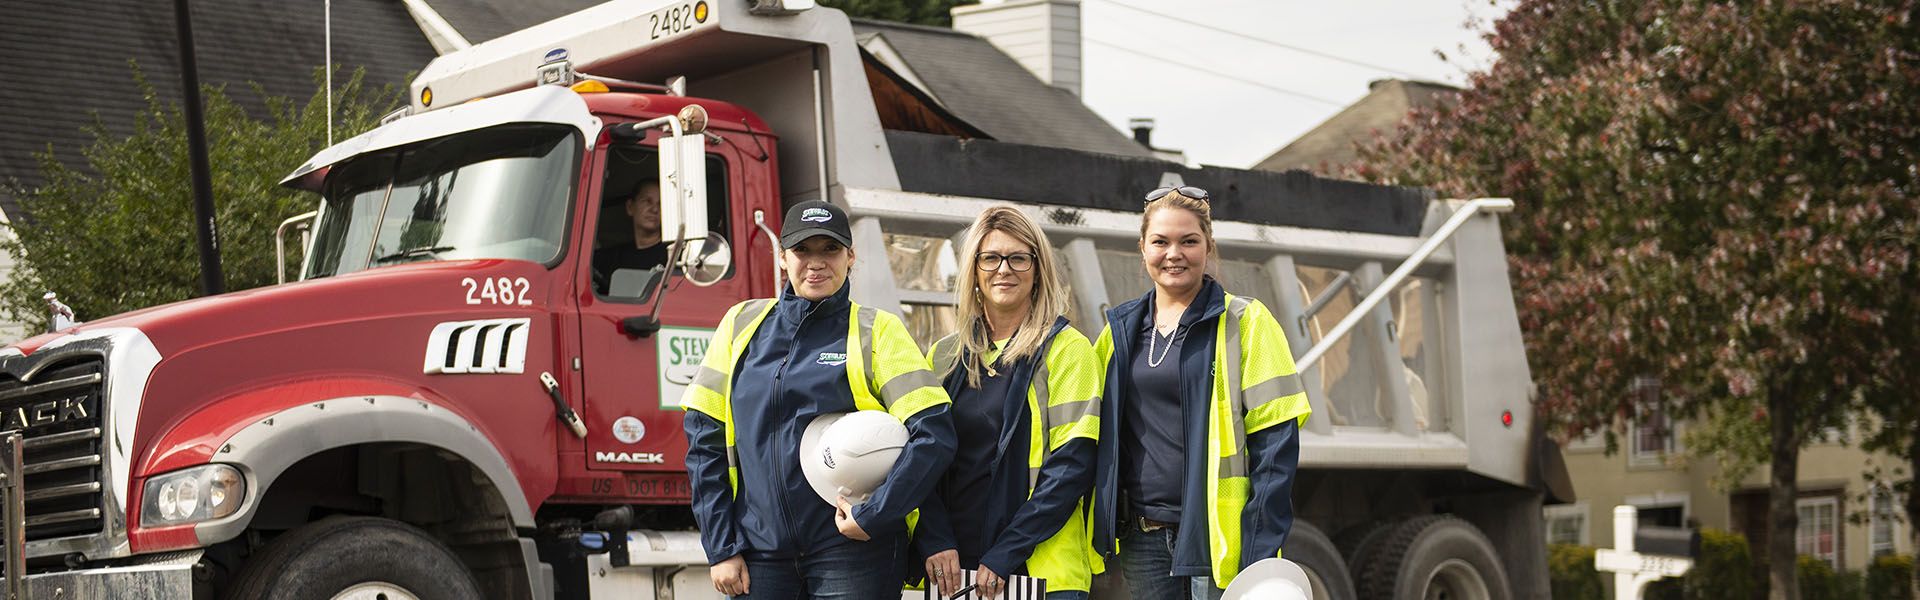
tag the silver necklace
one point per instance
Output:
(1152, 338)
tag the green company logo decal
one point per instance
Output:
(681, 349)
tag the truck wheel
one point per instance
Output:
(1358, 543)
(1312, 550)
(1437, 557)
(354, 558)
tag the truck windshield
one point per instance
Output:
(501, 192)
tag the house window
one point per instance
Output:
(1819, 531)
(1880, 527)
(1566, 523)
(1651, 436)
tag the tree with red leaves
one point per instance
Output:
(1720, 195)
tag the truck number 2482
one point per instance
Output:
(499, 290)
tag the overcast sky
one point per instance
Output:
(1220, 121)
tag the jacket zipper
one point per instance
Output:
(780, 391)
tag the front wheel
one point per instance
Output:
(354, 558)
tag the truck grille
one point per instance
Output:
(58, 415)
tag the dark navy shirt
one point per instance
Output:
(978, 414)
(1153, 447)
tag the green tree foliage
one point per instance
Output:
(917, 12)
(116, 235)
(1720, 195)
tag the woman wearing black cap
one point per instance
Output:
(775, 364)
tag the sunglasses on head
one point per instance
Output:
(1185, 190)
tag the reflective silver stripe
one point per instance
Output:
(906, 383)
(1280, 386)
(1235, 464)
(1043, 396)
(865, 317)
(711, 379)
(748, 313)
(1067, 413)
(733, 457)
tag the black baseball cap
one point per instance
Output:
(815, 217)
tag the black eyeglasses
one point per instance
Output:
(1020, 262)
(1185, 190)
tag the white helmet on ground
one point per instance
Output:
(1270, 579)
(849, 454)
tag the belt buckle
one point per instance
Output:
(1147, 525)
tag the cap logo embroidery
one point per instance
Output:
(816, 215)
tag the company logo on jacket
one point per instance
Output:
(832, 359)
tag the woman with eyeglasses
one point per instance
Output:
(1201, 411)
(1025, 405)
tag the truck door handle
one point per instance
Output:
(560, 409)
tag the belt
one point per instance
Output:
(1147, 524)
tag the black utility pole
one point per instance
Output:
(211, 282)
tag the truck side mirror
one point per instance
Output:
(683, 181)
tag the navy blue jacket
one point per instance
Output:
(1022, 522)
(1273, 453)
(781, 383)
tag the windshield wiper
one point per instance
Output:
(427, 251)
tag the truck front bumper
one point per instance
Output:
(143, 581)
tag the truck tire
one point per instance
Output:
(1310, 549)
(351, 558)
(1358, 543)
(1437, 557)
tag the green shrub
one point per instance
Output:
(1819, 582)
(1570, 569)
(1724, 569)
(1890, 577)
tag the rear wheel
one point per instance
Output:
(1436, 557)
(355, 558)
(1309, 548)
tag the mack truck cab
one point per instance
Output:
(451, 399)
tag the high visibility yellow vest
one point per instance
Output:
(889, 375)
(1072, 411)
(1255, 386)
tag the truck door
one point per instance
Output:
(633, 383)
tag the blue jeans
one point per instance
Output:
(849, 571)
(1147, 558)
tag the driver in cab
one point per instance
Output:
(644, 253)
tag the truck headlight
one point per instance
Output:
(193, 495)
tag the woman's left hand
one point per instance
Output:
(843, 518)
(988, 583)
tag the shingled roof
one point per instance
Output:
(1331, 143)
(982, 85)
(66, 63)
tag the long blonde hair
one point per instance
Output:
(1049, 297)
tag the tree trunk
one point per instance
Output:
(1782, 514)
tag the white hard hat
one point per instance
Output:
(849, 454)
(1270, 579)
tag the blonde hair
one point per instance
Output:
(1048, 299)
(1200, 209)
